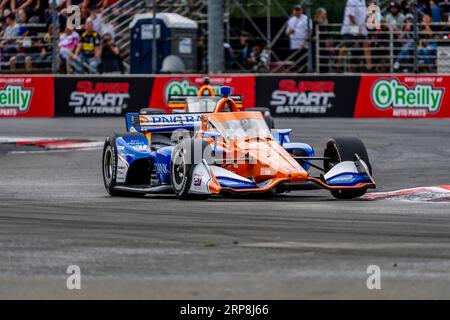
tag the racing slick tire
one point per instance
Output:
(267, 116)
(109, 168)
(344, 149)
(151, 111)
(184, 159)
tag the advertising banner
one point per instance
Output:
(405, 96)
(101, 96)
(306, 96)
(165, 86)
(26, 97)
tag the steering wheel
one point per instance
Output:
(223, 102)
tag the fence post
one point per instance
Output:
(416, 36)
(216, 56)
(54, 37)
(391, 49)
(154, 43)
(310, 44)
(318, 53)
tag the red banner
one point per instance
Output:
(405, 96)
(26, 97)
(164, 86)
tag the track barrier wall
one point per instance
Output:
(364, 96)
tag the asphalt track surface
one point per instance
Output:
(54, 212)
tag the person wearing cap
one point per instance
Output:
(110, 55)
(297, 31)
(354, 32)
(88, 50)
(394, 18)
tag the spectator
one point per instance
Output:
(97, 22)
(326, 44)
(394, 18)
(22, 17)
(245, 41)
(38, 55)
(230, 57)
(297, 31)
(68, 42)
(354, 32)
(93, 4)
(260, 56)
(88, 50)
(9, 37)
(436, 12)
(23, 42)
(110, 55)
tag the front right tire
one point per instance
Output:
(183, 163)
(342, 149)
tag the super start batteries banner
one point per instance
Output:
(306, 96)
(101, 96)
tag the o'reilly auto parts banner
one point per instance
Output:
(101, 96)
(409, 96)
(165, 86)
(26, 97)
(303, 96)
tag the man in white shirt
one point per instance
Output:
(297, 31)
(354, 31)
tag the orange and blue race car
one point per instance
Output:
(226, 152)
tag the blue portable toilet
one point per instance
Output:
(176, 36)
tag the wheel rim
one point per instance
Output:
(108, 165)
(179, 169)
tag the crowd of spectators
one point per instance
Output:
(391, 46)
(27, 38)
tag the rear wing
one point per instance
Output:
(180, 101)
(136, 122)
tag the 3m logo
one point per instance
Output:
(15, 97)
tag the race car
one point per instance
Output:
(205, 102)
(226, 153)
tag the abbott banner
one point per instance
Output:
(26, 97)
(303, 96)
(421, 96)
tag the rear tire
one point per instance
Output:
(109, 168)
(344, 149)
